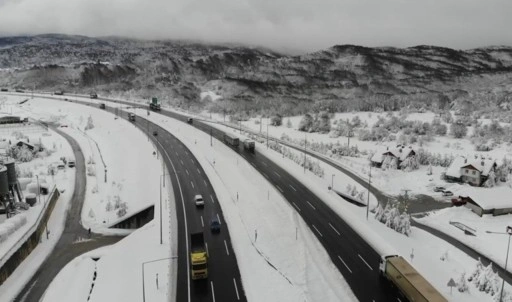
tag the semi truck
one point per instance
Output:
(231, 140)
(249, 145)
(131, 117)
(198, 257)
(154, 105)
(407, 279)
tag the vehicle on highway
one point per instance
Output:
(189, 120)
(155, 133)
(407, 279)
(93, 95)
(102, 106)
(154, 105)
(198, 257)
(215, 225)
(20, 90)
(199, 201)
(61, 165)
(4, 89)
(439, 189)
(458, 202)
(59, 92)
(231, 139)
(63, 125)
(249, 145)
(131, 117)
(71, 163)
(447, 193)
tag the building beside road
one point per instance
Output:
(488, 201)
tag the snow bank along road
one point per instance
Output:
(69, 245)
(188, 179)
(353, 256)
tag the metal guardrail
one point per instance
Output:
(29, 232)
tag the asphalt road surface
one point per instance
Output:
(353, 257)
(188, 179)
(69, 245)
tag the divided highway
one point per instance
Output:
(188, 179)
(355, 259)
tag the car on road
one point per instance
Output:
(439, 189)
(198, 199)
(59, 92)
(63, 125)
(215, 225)
(71, 163)
(155, 133)
(102, 106)
(61, 165)
(4, 89)
(447, 193)
(189, 120)
(93, 95)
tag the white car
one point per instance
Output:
(199, 200)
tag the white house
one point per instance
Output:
(473, 171)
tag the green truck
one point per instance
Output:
(154, 105)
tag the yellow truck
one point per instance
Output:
(198, 257)
(412, 285)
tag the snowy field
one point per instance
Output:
(425, 249)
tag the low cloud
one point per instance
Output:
(300, 25)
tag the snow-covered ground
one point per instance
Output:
(245, 216)
(114, 145)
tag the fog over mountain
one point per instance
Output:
(284, 25)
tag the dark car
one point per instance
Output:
(93, 95)
(215, 225)
(59, 92)
(458, 202)
(439, 189)
(155, 133)
(4, 89)
(189, 120)
(102, 106)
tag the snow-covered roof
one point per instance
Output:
(378, 157)
(400, 152)
(454, 169)
(489, 198)
(484, 165)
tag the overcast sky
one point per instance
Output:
(300, 25)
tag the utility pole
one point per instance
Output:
(267, 134)
(305, 143)
(211, 136)
(368, 194)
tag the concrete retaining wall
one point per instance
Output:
(30, 241)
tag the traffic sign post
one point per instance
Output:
(451, 284)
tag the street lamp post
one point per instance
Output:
(509, 233)
(267, 134)
(305, 143)
(332, 182)
(143, 263)
(38, 190)
(368, 194)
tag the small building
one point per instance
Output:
(400, 152)
(482, 201)
(473, 171)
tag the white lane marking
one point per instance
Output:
(205, 184)
(187, 171)
(207, 252)
(365, 262)
(253, 164)
(218, 218)
(213, 292)
(293, 188)
(202, 222)
(345, 264)
(226, 245)
(277, 174)
(192, 184)
(176, 153)
(332, 227)
(311, 205)
(181, 161)
(213, 200)
(317, 230)
(236, 289)
(399, 300)
(296, 206)
(185, 219)
(192, 160)
(279, 188)
(266, 176)
(198, 172)
(264, 164)
(186, 152)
